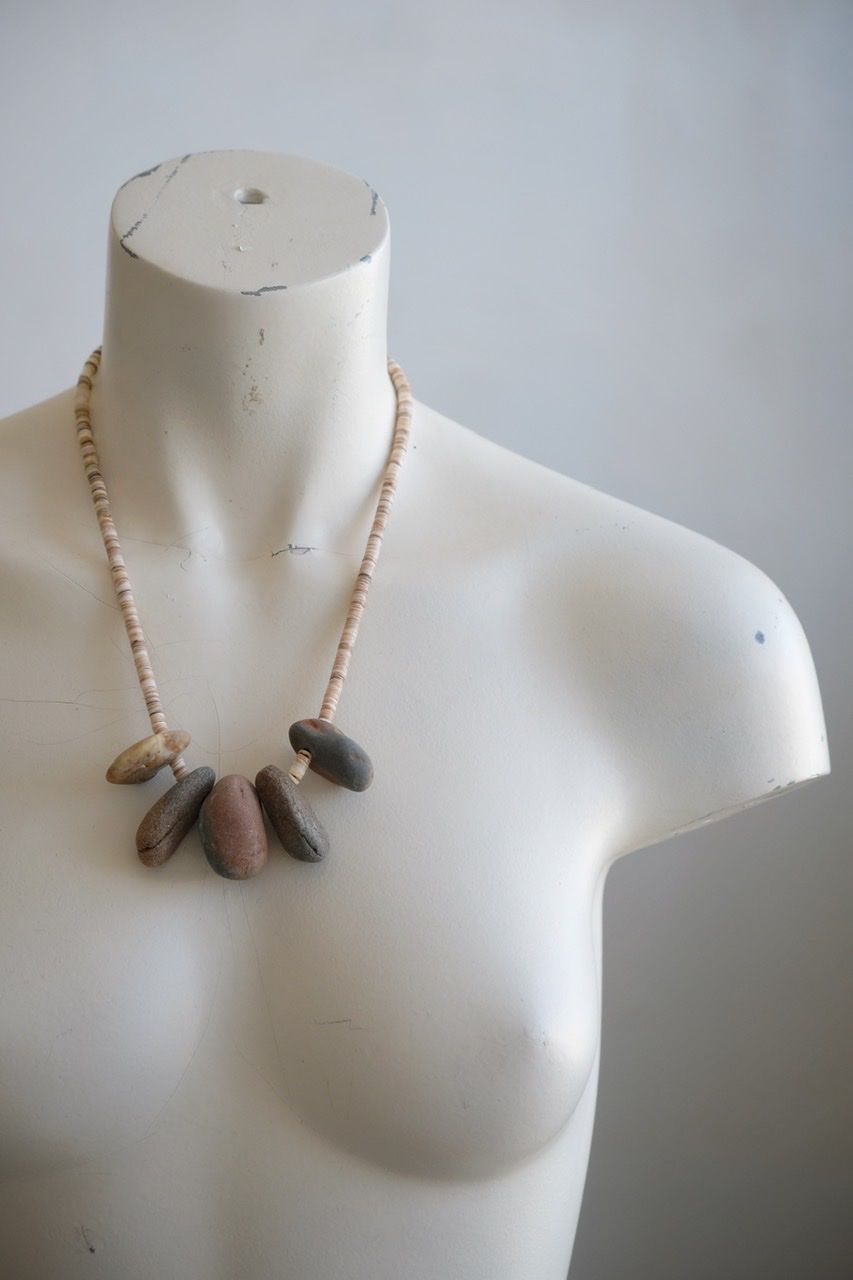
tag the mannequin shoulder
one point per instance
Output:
(30, 428)
(39, 456)
(701, 667)
(43, 508)
(689, 661)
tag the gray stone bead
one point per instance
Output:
(171, 817)
(297, 826)
(231, 826)
(333, 754)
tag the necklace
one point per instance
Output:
(229, 811)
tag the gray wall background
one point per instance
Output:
(622, 245)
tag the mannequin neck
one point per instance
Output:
(243, 402)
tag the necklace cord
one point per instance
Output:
(124, 590)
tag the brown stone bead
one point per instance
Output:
(231, 826)
(295, 823)
(171, 817)
(142, 759)
(333, 754)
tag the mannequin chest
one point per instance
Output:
(429, 993)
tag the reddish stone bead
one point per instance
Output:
(231, 826)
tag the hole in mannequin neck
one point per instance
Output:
(250, 195)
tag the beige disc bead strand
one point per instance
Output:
(340, 666)
(118, 568)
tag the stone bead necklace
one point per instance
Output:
(229, 811)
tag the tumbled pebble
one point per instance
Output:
(142, 759)
(171, 817)
(231, 826)
(295, 823)
(333, 754)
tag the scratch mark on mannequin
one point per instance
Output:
(121, 650)
(260, 1073)
(112, 607)
(351, 1079)
(140, 221)
(73, 702)
(267, 288)
(76, 737)
(228, 917)
(58, 1036)
(144, 173)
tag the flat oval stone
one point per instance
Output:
(231, 826)
(171, 817)
(142, 759)
(333, 754)
(297, 826)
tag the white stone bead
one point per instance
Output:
(142, 759)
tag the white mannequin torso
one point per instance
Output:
(385, 1063)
